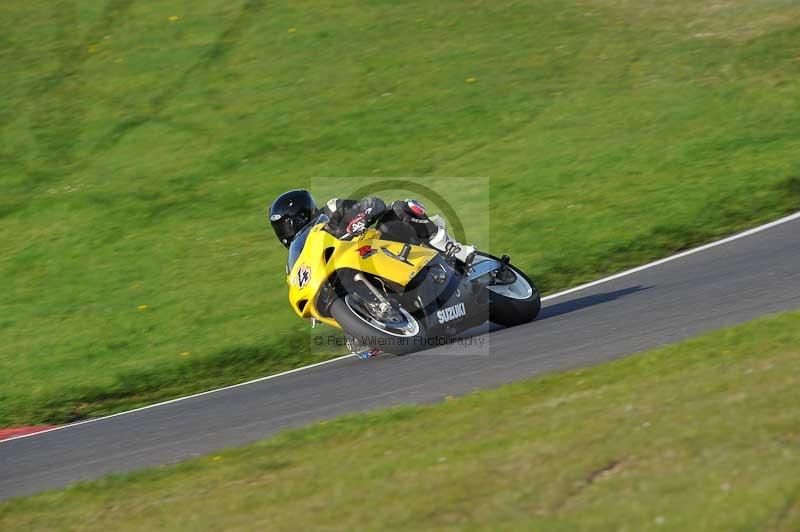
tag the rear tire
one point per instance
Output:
(510, 311)
(372, 337)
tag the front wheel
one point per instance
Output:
(392, 330)
(514, 302)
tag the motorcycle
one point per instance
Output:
(399, 297)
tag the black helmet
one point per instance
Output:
(290, 212)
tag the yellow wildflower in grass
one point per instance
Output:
(470, 80)
(185, 353)
(142, 308)
(291, 30)
(173, 18)
(216, 458)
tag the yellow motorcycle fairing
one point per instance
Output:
(323, 254)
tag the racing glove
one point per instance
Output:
(358, 224)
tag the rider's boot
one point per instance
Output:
(448, 245)
(359, 351)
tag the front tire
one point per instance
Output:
(400, 337)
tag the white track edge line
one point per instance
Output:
(625, 273)
(671, 258)
(177, 399)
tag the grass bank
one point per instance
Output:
(141, 143)
(701, 436)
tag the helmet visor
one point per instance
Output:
(287, 227)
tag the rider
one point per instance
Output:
(403, 220)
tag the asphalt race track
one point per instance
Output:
(717, 287)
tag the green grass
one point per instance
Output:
(701, 435)
(138, 153)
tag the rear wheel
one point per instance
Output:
(515, 300)
(372, 326)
